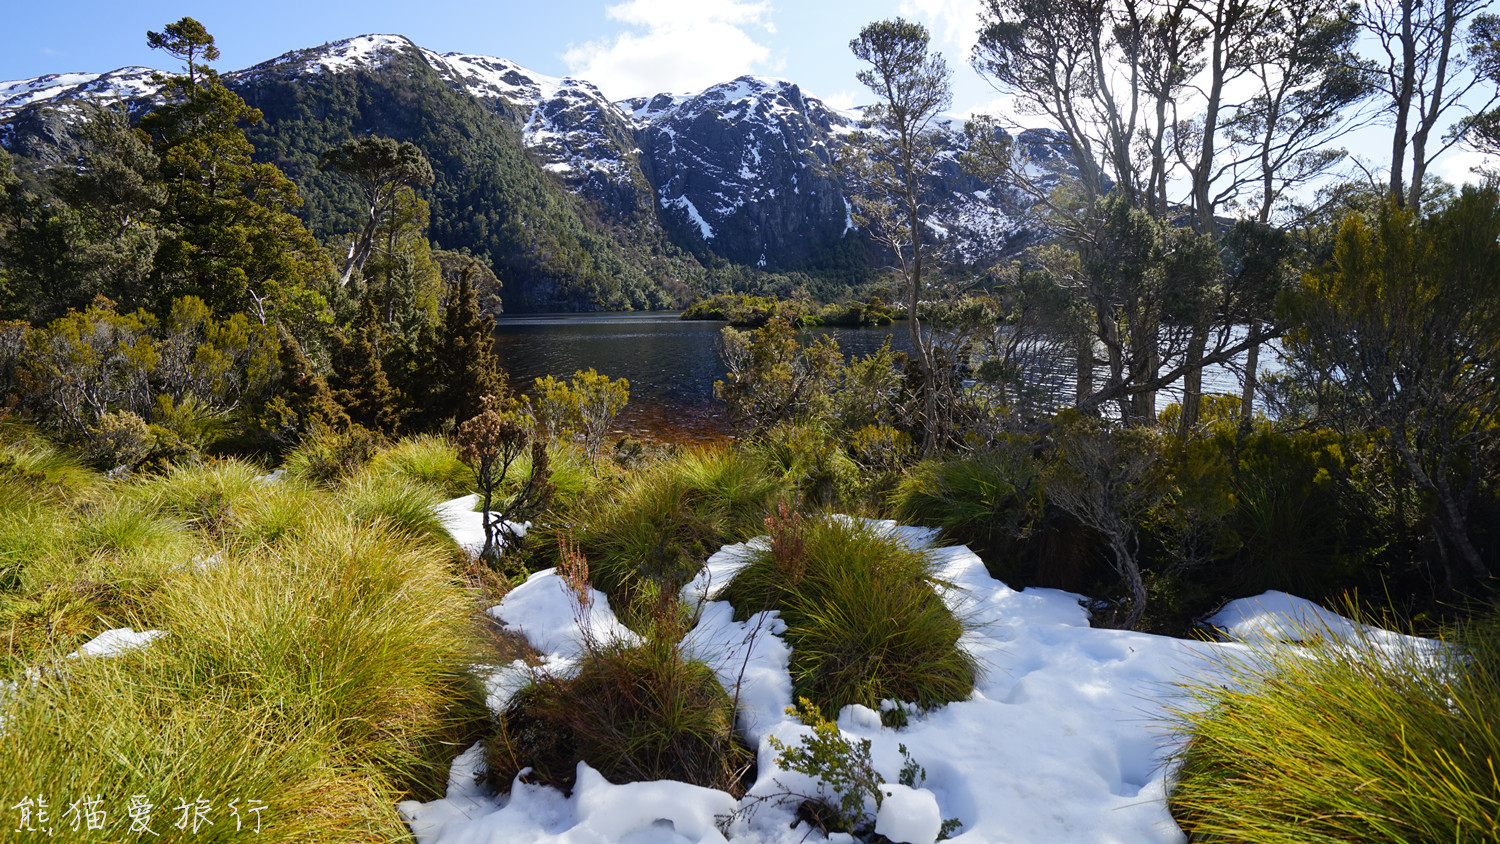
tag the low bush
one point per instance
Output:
(658, 528)
(1345, 742)
(331, 457)
(863, 618)
(634, 713)
(994, 502)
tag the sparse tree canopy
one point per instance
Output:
(380, 166)
(889, 169)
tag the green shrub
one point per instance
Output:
(864, 621)
(814, 462)
(993, 502)
(633, 712)
(1336, 742)
(665, 521)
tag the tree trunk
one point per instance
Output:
(1192, 382)
(1083, 386)
(1403, 102)
(1252, 365)
(1126, 566)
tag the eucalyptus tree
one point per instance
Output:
(380, 167)
(1236, 100)
(889, 167)
(1424, 74)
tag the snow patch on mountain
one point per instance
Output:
(685, 205)
(126, 83)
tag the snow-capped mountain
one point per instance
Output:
(744, 169)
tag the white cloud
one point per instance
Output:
(1459, 165)
(954, 23)
(676, 45)
(844, 100)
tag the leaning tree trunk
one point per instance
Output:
(1125, 564)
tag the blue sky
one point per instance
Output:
(627, 47)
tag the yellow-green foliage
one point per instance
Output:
(585, 406)
(661, 525)
(426, 459)
(316, 658)
(863, 618)
(1345, 743)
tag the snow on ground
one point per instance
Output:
(466, 525)
(1062, 740)
(117, 641)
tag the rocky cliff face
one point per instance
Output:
(743, 170)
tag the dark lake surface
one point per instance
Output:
(671, 364)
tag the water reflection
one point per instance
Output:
(671, 364)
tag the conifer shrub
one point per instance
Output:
(633, 712)
(864, 620)
(1340, 741)
(654, 532)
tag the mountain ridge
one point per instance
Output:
(742, 171)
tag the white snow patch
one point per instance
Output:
(117, 641)
(1063, 739)
(908, 815)
(546, 611)
(686, 205)
(466, 525)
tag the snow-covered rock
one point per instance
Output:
(908, 815)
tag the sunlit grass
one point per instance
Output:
(1335, 743)
(863, 619)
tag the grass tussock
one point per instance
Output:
(361, 629)
(206, 496)
(34, 471)
(864, 621)
(317, 656)
(112, 729)
(428, 460)
(406, 506)
(635, 713)
(655, 532)
(1346, 743)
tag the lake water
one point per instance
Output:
(671, 364)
